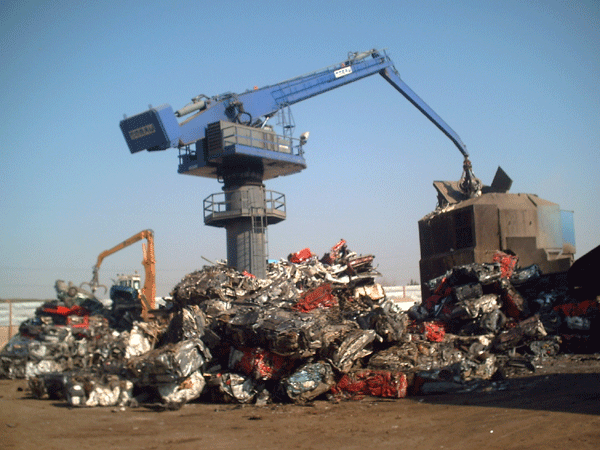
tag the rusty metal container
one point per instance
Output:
(470, 230)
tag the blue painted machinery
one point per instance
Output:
(228, 137)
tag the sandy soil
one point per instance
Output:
(556, 407)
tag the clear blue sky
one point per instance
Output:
(517, 80)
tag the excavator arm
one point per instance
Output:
(148, 293)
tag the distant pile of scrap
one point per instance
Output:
(313, 328)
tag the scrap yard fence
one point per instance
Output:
(12, 313)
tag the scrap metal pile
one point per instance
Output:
(314, 328)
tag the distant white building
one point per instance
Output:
(403, 296)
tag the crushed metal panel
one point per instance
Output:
(236, 388)
(352, 348)
(381, 383)
(374, 292)
(448, 192)
(502, 182)
(309, 381)
(183, 392)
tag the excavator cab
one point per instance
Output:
(126, 305)
(132, 281)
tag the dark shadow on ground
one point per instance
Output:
(571, 393)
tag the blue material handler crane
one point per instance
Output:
(228, 137)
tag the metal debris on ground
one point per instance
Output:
(314, 328)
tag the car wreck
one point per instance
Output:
(314, 328)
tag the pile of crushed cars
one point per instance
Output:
(314, 328)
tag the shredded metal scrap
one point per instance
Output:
(311, 328)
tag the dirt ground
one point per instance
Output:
(556, 407)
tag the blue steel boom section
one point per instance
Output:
(158, 128)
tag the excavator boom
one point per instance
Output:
(148, 293)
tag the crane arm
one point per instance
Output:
(158, 128)
(391, 76)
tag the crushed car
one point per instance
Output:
(313, 328)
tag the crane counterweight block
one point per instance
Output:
(154, 129)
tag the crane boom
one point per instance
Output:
(391, 76)
(158, 128)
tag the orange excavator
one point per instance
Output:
(129, 285)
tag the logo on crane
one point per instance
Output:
(142, 131)
(343, 72)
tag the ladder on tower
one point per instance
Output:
(258, 232)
